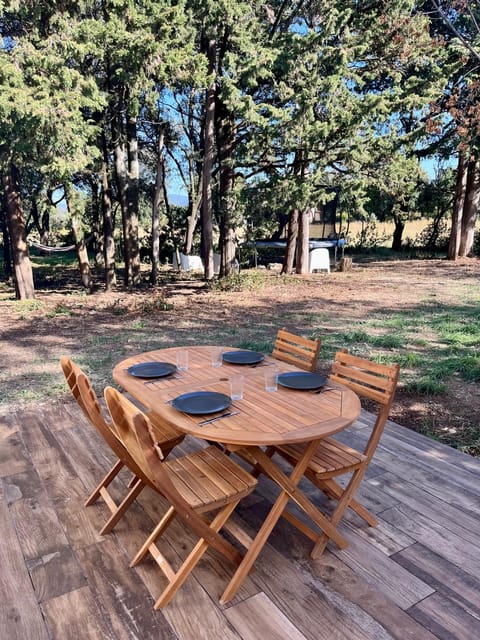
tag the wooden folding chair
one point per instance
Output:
(376, 382)
(301, 352)
(194, 485)
(169, 437)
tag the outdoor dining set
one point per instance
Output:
(250, 415)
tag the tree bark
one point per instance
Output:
(120, 165)
(157, 205)
(108, 222)
(42, 223)
(302, 265)
(207, 222)
(225, 144)
(397, 232)
(195, 174)
(80, 247)
(291, 242)
(22, 267)
(132, 198)
(7, 256)
(96, 221)
(458, 203)
(470, 208)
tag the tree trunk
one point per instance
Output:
(207, 222)
(41, 224)
(79, 238)
(132, 198)
(120, 164)
(156, 206)
(7, 257)
(108, 222)
(397, 232)
(22, 267)
(195, 173)
(302, 265)
(470, 208)
(291, 242)
(225, 143)
(458, 203)
(96, 221)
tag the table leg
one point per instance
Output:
(290, 491)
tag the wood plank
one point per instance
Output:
(446, 619)
(382, 572)
(318, 599)
(384, 537)
(81, 524)
(450, 517)
(433, 461)
(76, 615)
(14, 457)
(432, 448)
(36, 521)
(35, 432)
(341, 579)
(435, 537)
(432, 479)
(258, 617)
(20, 617)
(318, 612)
(91, 458)
(443, 576)
(55, 574)
(123, 597)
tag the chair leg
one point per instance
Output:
(342, 506)
(159, 529)
(193, 558)
(334, 490)
(122, 507)
(96, 493)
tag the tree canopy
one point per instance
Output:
(261, 111)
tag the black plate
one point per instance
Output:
(302, 380)
(201, 402)
(152, 369)
(243, 357)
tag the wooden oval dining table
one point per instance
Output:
(261, 418)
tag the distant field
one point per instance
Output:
(412, 229)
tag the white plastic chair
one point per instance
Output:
(319, 259)
(189, 263)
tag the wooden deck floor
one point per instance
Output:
(415, 577)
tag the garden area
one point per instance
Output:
(422, 314)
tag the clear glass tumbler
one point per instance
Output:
(271, 376)
(236, 387)
(216, 355)
(182, 359)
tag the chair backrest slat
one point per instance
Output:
(87, 400)
(296, 350)
(126, 417)
(369, 380)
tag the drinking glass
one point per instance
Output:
(216, 355)
(271, 376)
(236, 387)
(182, 359)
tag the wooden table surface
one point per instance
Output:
(263, 417)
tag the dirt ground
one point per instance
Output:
(107, 327)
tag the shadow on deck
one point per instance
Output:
(415, 576)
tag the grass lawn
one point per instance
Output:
(422, 314)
